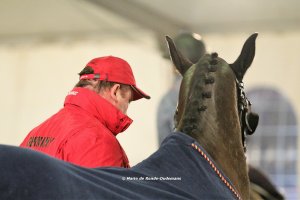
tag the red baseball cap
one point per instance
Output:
(114, 69)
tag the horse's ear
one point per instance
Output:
(245, 59)
(181, 63)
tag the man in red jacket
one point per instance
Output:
(84, 131)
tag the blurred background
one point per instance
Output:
(44, 44)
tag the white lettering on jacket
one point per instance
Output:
(73, 93)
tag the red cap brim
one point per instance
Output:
(138, 93)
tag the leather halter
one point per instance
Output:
(248, 119)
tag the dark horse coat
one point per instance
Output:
(180, 169)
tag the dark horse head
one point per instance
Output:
(213, 108)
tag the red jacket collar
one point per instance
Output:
(104, 111)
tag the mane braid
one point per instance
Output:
(196, 100)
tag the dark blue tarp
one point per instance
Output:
(175, 171)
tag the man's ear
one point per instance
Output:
(113, 92)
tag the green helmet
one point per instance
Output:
(190, 45)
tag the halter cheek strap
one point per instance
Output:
(248, 119)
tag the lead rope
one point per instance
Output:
(217, 171)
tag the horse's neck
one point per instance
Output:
(226, 147)
(228, 153)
